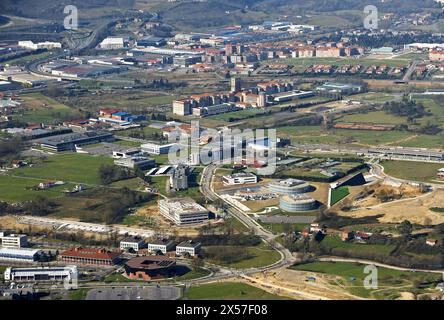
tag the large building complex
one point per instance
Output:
(183, 211)
(91, 256)
(41, 274)
(70, 141)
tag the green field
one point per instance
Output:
(390, 282)
(43, 109)
(19, 189)
(409, 170)
(228, 291)
(259, 256)
(376, 249)
(374, 117)
(78, 294)
(68, 167)
(338, 194)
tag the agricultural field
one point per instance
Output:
(391, 283)
(410, 170)
(228, 291)
(43, 109)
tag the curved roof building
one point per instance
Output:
(297, 203)
(289, 186)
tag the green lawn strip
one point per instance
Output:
(74, 167)
(229, 291)
(410, 170)
(338, 194)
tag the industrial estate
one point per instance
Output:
(221, 150)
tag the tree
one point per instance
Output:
(405, 228)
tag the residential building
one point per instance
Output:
(436, 55)
(182, 107)
(235, 84)
(189, 246)
(162, 245)
(183, 211)
(239, 178)
(179, 178)
(134, 243)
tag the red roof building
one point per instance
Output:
(91, 256)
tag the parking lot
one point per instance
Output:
(136, 293)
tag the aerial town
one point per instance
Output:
(222, 150)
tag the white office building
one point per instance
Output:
(190, 247)
(13, 240)
(162, 245)
(41, 274)
(153, 148)
(183, 211)
(132, 243)
(239, 178)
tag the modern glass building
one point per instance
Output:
(297, 203)
(289, 186)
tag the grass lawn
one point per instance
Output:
(193, 274)
(229, 291)
(44, 109)
(337, 243)
(19, 189)
(338, 194)
(78, 294)
(281, 227)
(78, 168)
(259, 256)
(409, 170)
(390, 282)
(375, 117)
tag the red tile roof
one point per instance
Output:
(90, 253)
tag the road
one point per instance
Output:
(207, 190)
